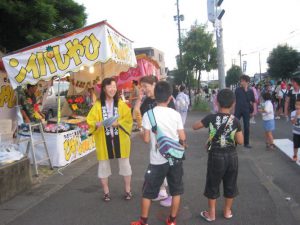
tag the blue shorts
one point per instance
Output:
(269, 125)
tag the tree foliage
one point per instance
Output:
(199, 51)
(283, 61)
(233, 75)
(25, 22)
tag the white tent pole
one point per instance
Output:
(58, 105)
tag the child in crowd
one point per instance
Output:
(170, 123)
(267, 111)
(224, 132)
(295, 118)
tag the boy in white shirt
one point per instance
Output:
(268, 118)
(170, 123)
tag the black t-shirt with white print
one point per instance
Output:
(213, 122)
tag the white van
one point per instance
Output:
(50, 104)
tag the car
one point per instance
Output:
(50, 104)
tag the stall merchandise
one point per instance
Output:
(9, 153)
(87, 56)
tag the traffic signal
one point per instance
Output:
(214, 11)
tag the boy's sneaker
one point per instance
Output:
(160, 197)
(168, 222)
(167, 202)
(138, 223)
(295, 158)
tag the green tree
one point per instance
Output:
(25, 22)
(233, 75)
(199, 51)
(283, 61)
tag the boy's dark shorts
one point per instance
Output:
(155, 176)
(222, 165)
(296, 140)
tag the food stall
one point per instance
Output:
(86, 56)
(145, 67)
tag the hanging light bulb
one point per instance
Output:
(91, 69)
(82, 68)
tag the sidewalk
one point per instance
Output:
(268, 184)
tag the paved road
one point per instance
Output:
(266, 179)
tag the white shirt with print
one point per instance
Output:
(169, 121)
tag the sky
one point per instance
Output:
(253, 26)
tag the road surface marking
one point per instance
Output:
(286, 146)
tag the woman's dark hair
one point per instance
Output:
(149, 79)
(135, 82)
(106, 82)
(267, 96)
(225, 98)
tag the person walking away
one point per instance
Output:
(267, 111)
(214, 101)
(113, 140)
(244, 106)
(134, 93)
(182, 103)
(292, 96)
(295, 118)
(276, 102)
(282, 98)
(146, 101)
(224, 134)
(170, 123)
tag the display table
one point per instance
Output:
(63, 147)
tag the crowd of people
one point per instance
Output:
(160, 116)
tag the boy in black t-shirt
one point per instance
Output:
(224, 133)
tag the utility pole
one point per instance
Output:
(259, 66)
(215, 14)
(221, 70)
(240, 54)
(179, 17)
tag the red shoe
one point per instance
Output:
(138, 223)
(168, 222)
(295, 158)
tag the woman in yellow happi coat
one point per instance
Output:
(112, 141)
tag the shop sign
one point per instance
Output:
(98, 44)
(74, 147)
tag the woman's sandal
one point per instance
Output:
(128, 195)
(106, 197)
(204, 215)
